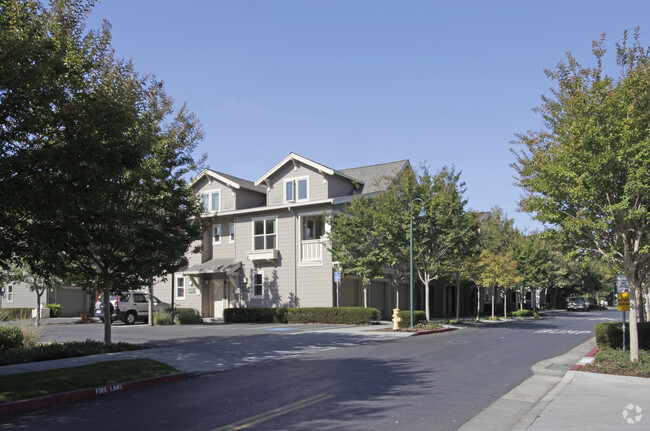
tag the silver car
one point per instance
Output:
(129, 307)
(577, 304)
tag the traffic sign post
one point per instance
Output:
(623, 300)
(337, 280)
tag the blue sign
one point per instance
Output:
(337, 276)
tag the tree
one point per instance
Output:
(38, 283)
(446, 229)
(588, 171)
(499, 270)
(100, 144)
(354, 242)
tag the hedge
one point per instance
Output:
(187, 316)
(342, 315)
(55, 310)
(11, 337)
(610, 334)
(15, 313)
(418, 317)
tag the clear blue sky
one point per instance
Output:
(350, 83)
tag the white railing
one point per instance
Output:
(311, 251)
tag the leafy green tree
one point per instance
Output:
(94, 155)
(499, 270)
(588, 170)
(446, 229)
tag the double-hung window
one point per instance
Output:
(295, 189)
(216, 234)
(231, 232)
(258, 284)
(10, 294)
(264, 234)
(211, 201)
(180, 288)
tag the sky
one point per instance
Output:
(350, 83)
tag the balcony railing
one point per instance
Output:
(311, 251)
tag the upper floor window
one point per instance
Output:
(295, 189)
(264, 234)
(210, 201)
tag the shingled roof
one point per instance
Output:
(376, 178)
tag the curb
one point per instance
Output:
(70, 396)
(432, 331)
(588, 359)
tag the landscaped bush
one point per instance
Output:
(187, 316)
(162, 318)
(15, 314)
(55, 310)
(610, 334)
(255, 315)
(340, 315)
(418, 317)
(523, 313)
(11, 337)
(69, 349)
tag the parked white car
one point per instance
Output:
(577, 304)
(129, 307)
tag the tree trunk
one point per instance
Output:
(39, 295)
(150, 305)
(505, 303)
(457, 298)
(107, 315)
(634, 282)
(493, 292)
(426, 300)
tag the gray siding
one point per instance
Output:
(317, 183)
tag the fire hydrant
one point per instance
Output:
(396, 319)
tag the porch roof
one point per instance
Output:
(213, 266)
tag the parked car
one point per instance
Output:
(577, 304)
(130, 307)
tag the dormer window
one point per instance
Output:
(210, 201)
(295, 189)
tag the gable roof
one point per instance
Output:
(295, 158)
(376, 178)
(229, 180)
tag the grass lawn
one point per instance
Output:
(617, 361)
(34, 384)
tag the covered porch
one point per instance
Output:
(217, 280)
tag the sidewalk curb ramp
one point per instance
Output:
(79, 394)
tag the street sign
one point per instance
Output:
(337, 276)
(622, 285)
(623, 301)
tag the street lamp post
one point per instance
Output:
(423, 213)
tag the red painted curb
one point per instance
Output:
(591, 354)
(432, 331)
(66, 397)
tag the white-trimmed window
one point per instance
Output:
(211, 201)
(231, 232)
(265, 234)
(295, 189)
(10, 294)
(180, 288)
(258, 284)
(216, 234)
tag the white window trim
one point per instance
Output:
(295, 189)
(277, 236)
(231, 233)
(180, 277)
(216, 226)
(261, 273)
(210, 194)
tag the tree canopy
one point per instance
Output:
(587, 172)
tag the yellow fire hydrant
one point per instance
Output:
(396, 319)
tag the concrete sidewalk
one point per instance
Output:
(559, 397)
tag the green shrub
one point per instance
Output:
(419, 316)
(610, 334)
(342, 315)
(255, 315)
(523, 313)
(163, 318)
(15, 314)
(55, 310)
(187, 316)
(11, 337)
(336, 315)
(69, 349)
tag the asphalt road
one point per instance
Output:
(432, 382)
